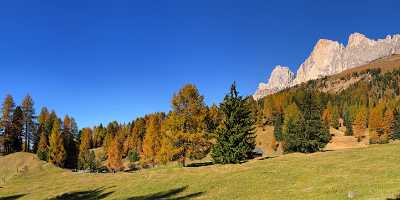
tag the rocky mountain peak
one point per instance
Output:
(280, 78)
(330, 57)
(355, 39)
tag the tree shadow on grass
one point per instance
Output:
(95, 194)
(265, 158)
(12, 197)
(395, 198)
(168, 195)
(202, 164)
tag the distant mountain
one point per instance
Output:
(330, 57)
(280, 78)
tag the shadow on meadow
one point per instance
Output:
(95, 194)
(168, 195)
(13, 197)
(202, 164)
(394, 198)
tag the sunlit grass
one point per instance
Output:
(371, 173)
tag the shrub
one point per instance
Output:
(43, 154)
(133, 156)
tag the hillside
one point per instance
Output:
(330, 57)
(370, 173)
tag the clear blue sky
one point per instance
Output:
(115, 60)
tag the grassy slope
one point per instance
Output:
(372, 172)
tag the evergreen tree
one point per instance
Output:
(278, 120)
(314, 135)
(235, 138)
(57, 153)
(43, 148)
(293, 129)
(16, 129)
(396, 125)
(335, 118)
(348, 124)
(388, 124)
(29, 121)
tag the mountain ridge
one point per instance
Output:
(330, 57)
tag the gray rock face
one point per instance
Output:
(281, 77)
(330, 57)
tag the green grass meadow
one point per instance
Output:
(369, 173)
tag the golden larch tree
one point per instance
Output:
(114, 156)
(151, 142)
(57, 150)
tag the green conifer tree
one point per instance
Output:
(348, 123)
(315, 134)
(278, 119)
(43, 149)
(396, 126)
(236, 137)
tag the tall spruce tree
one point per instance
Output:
(293, 128)
(396, 125)
(236, 137)
(335, 118)
(348, 123)
(315, 134)
(388, 123)
(278, 120)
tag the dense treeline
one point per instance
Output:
(301, 116)
(47, 135)
(191, 130)
(368, 109)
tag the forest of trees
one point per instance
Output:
(189, 131)
(301, 117)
